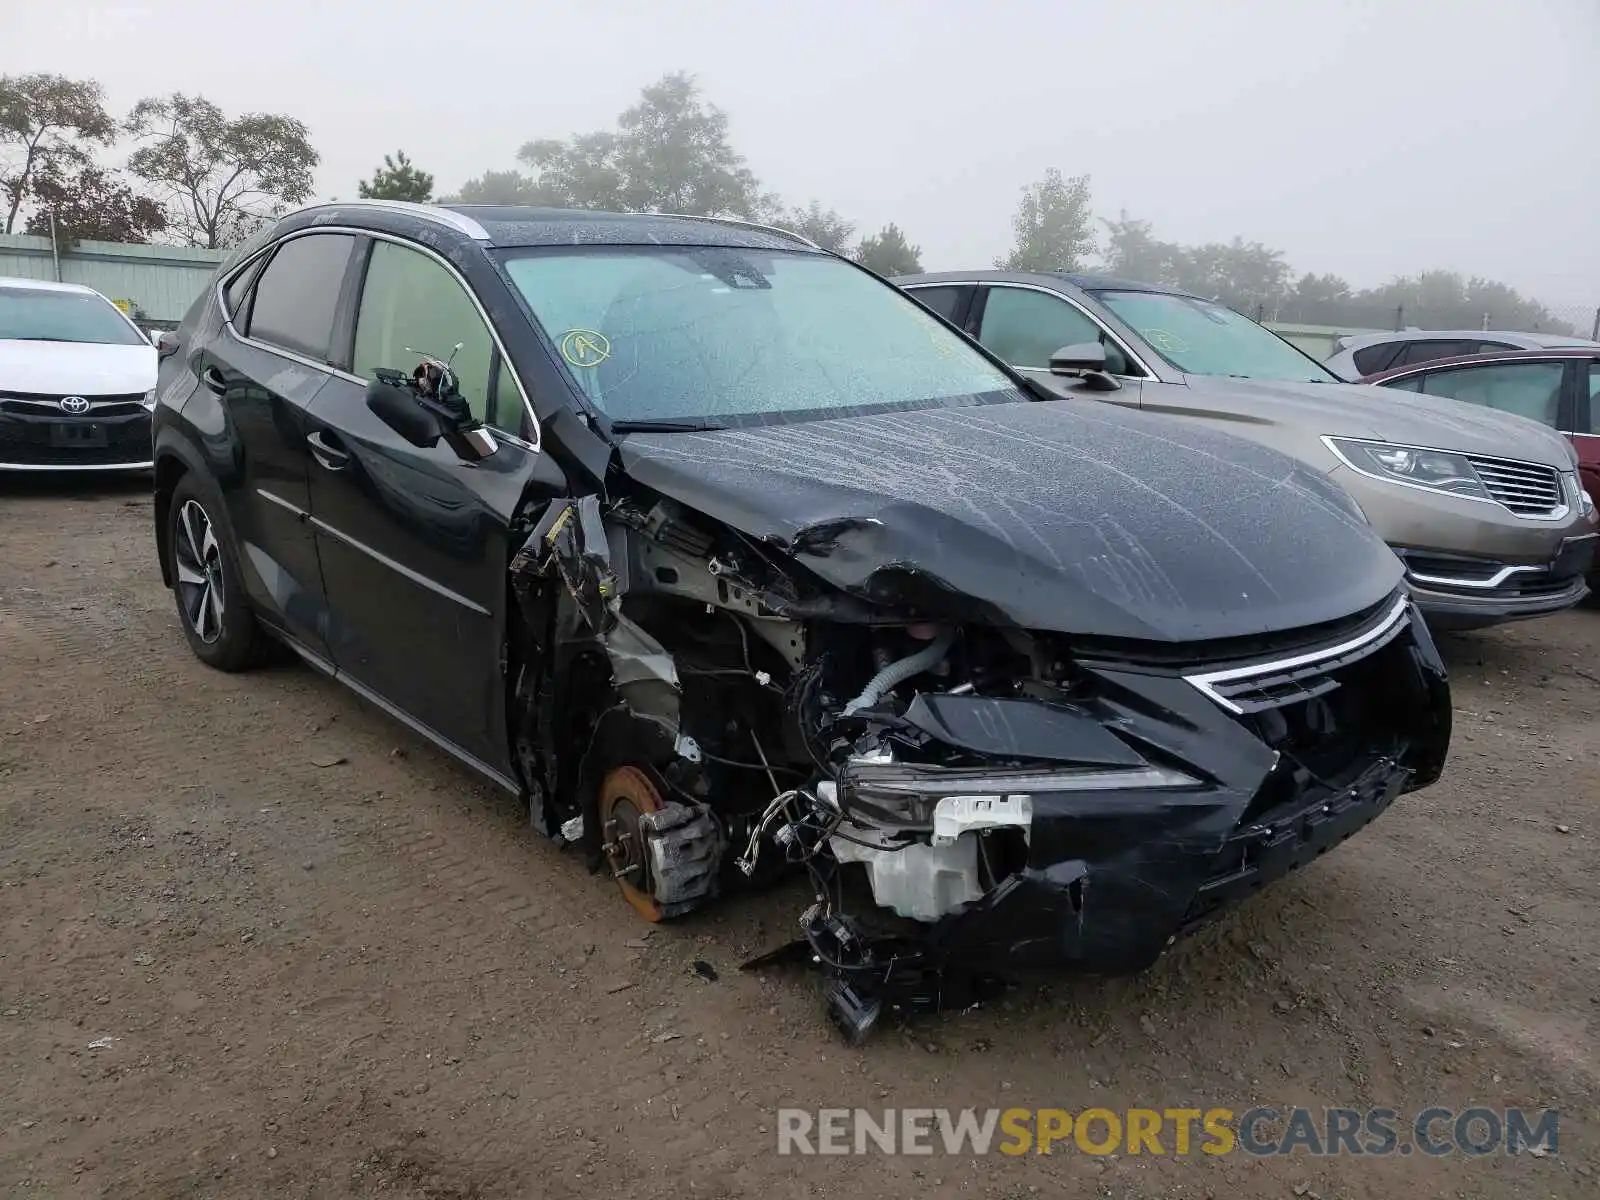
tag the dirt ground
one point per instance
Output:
(258, 940)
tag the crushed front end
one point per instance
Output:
(973, 801)
(1078, 807)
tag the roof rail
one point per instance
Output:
(778, 229)
(460, 222)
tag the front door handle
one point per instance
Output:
(331, 457)
(213, 379)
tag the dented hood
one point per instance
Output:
(1067, 516)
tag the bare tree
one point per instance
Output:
(45, 122)
(220, 178)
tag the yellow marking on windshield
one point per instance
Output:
(1162, 340)
(585, 347)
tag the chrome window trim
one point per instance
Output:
(505, 359)
(1033, 287)
(1206, 682)
(1486, 359)
(460, 222)
(1556, 514)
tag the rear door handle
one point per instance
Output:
(213, 379)
(331, 457)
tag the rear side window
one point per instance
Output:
(942, 300)
(1370, 360)
(1593, 423)
(1427, 351)
(298, 294)
(1527, 389)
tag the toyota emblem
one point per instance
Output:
(76, 405)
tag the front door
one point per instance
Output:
(415, 543)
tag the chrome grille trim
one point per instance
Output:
(1211, 683)
(1527, 489)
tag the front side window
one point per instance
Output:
(724, 335)
(412, 307)
(1199, 337)
(1024, 327)
(298, 294)
(44, 315)
(1527, 389)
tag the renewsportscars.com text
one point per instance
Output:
(1173, 1131)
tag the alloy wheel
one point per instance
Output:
(198, 558)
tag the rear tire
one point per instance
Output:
(206, 581)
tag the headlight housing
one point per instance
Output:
(911, 794)
(1423, 467)
(149, 400)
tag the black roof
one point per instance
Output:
(509, 225)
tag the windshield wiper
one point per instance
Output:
(667, 425)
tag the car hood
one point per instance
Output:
(1387, 414)
(1067, 516)
(76, 368)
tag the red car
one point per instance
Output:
(1559, 387)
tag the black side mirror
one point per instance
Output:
(1077, 359)
(1088, 361)
(400, 409)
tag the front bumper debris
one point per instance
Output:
(1106, 878)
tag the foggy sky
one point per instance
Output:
(1361, 137)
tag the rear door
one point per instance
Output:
(263, 370)
(1024, 326)
(415, 543)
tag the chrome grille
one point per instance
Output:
(1258, 686)
(33, 404)
(1527, 489)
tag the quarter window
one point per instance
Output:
(410, 307)
(1527, 389)
(1370, 360)
(298, 294)
(1024, 328)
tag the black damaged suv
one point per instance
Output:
(726, 555)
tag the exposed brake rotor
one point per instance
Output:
(625, 794)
